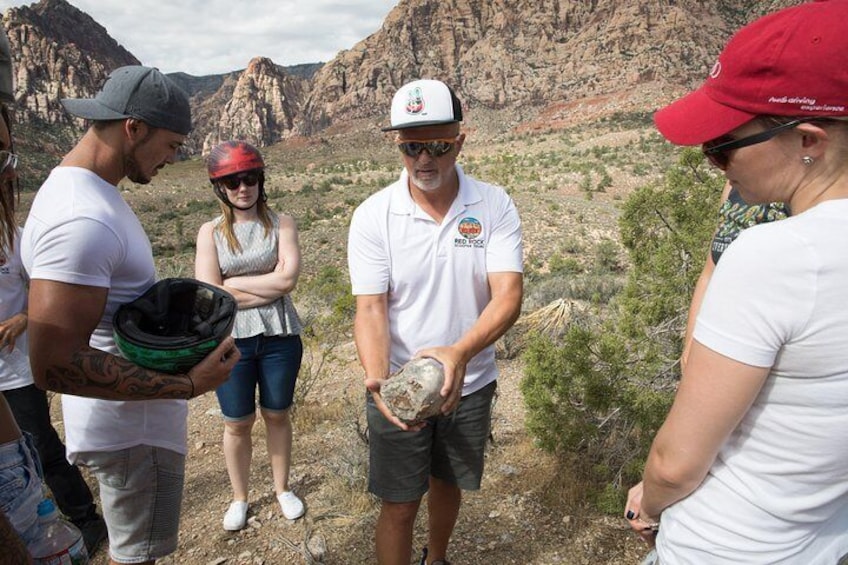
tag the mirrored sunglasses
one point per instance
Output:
(9, 161)
(434, 147)
(233, 182)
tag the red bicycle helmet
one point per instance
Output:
(230, 158)
(233, 157)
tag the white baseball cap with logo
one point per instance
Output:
(424, 103)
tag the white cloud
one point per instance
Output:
(203, 37)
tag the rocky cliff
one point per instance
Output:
(519, 63)
(59, 52)
(262, 106)
(537, 57)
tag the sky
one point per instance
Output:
(203, 37)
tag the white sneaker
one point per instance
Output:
(236, 516)
(291, 505)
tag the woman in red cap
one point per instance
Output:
(254, 254)
(751, 464)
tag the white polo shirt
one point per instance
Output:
(436, 275)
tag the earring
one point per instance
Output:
(807, 160)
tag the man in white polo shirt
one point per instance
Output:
(436, 266)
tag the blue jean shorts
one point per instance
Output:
(20, 486)
(269, 362)
(141, 490)
(450, 448)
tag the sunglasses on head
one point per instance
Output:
(435, 147)
(9, 161)
(718, 150)
(233, 182)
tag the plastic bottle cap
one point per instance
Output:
(46, 507)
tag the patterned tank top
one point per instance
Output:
(735, 215)
(257, 257)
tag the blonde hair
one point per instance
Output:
(225, 226)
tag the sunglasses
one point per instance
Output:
(435, 147)
(718, 150)
(9, 160)
(233, 182)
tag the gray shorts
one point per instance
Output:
(449, 448)
(141, 490)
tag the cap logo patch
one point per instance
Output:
(716, 70)
(415, 102)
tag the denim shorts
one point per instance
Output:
(141, 490)
(269, 362)
(20, 486)
(450, 448)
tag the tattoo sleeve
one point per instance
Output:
(98, 374)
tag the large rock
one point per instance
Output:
(412, 394)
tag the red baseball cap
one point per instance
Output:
(790, 63)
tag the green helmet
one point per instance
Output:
(174, 324)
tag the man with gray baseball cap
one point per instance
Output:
(137, 92)
(86, 254)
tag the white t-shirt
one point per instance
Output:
(778, 490)
(14, 365)
(81, 231)
(436, 275)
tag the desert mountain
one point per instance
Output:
(527, 63)
(59, 52)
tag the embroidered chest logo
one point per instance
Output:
(415, 102)
(470, 230)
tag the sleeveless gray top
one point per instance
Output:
(258, 256)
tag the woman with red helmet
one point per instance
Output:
(253, 253)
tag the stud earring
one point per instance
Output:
(807, 160)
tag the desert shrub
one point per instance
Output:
(563, 265)
(589, 287)
(602, 390)
(327, 308)
(606, 258)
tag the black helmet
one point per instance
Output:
(174, 324)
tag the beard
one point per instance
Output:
(133, 170)
(431, 183)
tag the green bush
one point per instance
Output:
(605, 387)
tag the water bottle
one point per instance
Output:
(59, 542)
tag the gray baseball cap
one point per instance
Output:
(143, 93)
(7, 91)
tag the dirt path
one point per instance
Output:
(522, 515)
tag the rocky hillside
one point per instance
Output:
(59, 52)
(519, 63)
(542, 59)
(261, 108)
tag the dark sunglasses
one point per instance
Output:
(435, 147)
(718, 150)
(233, 182)
(9, 161)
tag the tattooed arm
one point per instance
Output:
(62, 318)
